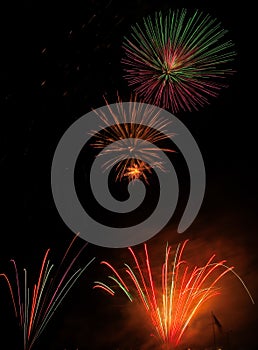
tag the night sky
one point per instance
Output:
(57, 63)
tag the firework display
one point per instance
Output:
(173, 301)
(35, 307)
(130, 175)
(177, 61)
(130, 142)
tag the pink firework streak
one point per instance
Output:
(34, 308)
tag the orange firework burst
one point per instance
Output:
(174, 302)
(131, 145)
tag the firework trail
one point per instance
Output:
(134, 157)
(172, 303)
(177, 61)
(35, 308)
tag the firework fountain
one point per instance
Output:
(35, 307)
(174, 301)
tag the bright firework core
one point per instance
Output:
(136, 171)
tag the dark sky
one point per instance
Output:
(57, 62)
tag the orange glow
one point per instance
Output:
(172, 302)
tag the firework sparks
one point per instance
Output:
(135, 171)
(177, 61)
(134, 157)
(174, 302)
(35, 308)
